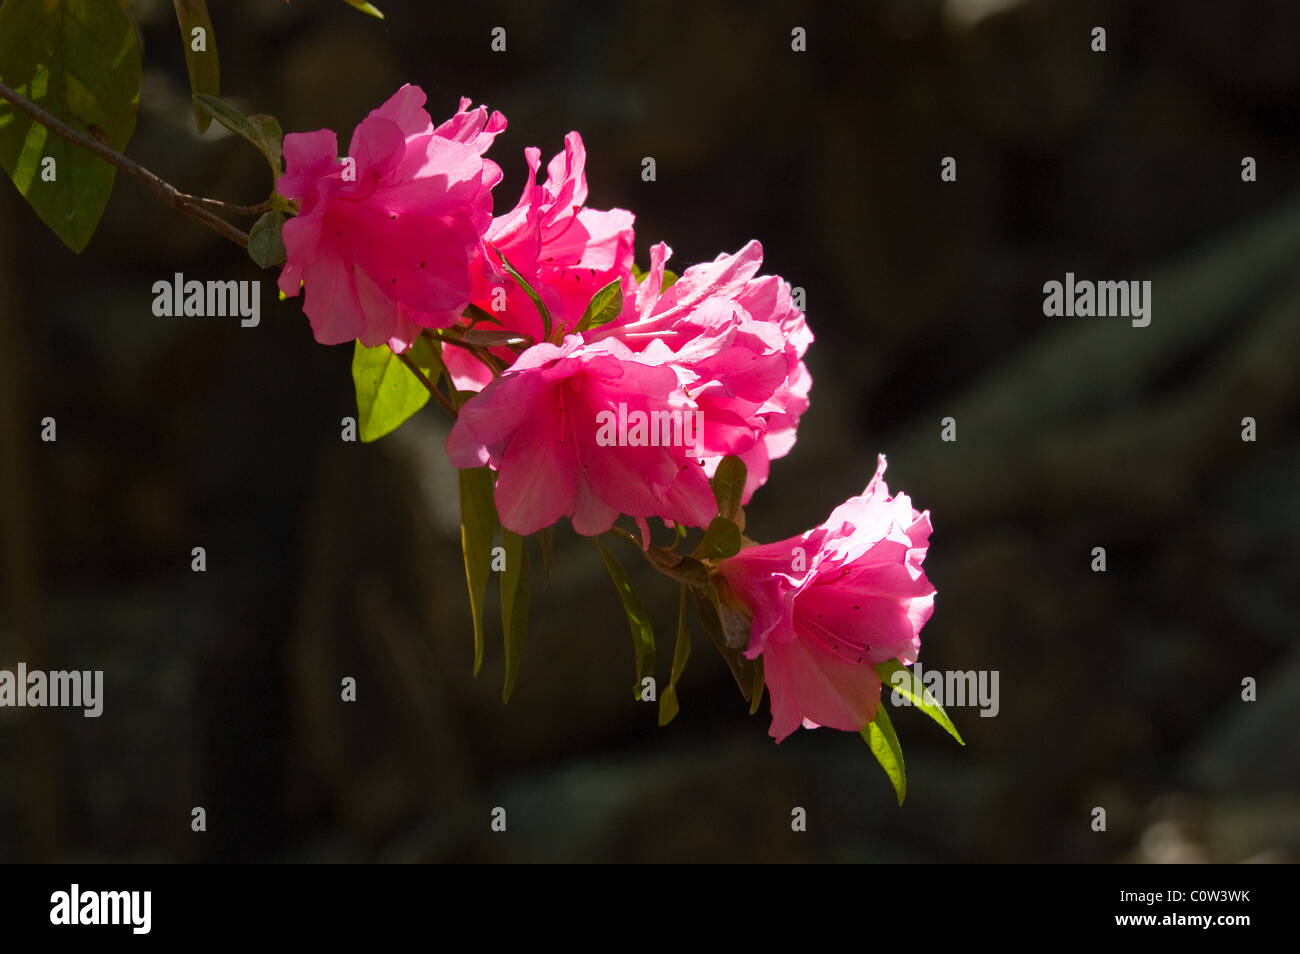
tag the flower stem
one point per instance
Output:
(186, 204)
(428, 385)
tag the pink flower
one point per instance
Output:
(555, 427)
(564, 250)
(831, 604)
(383, 239)
(742, 341)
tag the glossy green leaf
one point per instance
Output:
(201, 61)
(670, 279)
(531, 292)
(729, 488)
(678, 567)
(604, 307)
(493, 338)
(756, 693)
(742, 669)
(668, 705)
(387, 392)
(721, 540)
(259, 129)
(79, 61)
(365, 7)
(880, 736)
(475, 314)
(265, 241)
(546, 546)
(898, 678)
(478, 525)
(638, 620)
(514, 607)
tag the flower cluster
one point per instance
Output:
(592, 389)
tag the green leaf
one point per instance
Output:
(668, 707)
(604, 307)
(364, 7)
(721, 540)
(477, 315)
(490, 338)
(514, 607)
(681, 568)
(202, 64)
(265, 241)
(729, 488)
(478, 525)
(756, 693)
(261, 130)
(528, 290)
(880, 735)
(670, 277)
(79, 61)
(915, 691)
(638, 620)
(546, 546)
(742, 669)
(387, 392)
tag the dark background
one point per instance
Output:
(327, 559)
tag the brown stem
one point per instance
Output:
(428, 385)
(168, 193)
(231, 207)
(486, 357)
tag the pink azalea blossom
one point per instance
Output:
(383, 238)
(742, 341)
(539, 426)
(564, 250)
(831, 604)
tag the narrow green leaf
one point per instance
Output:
(491, 338)
(387, 392)
(265, 241)
(514, 607)
(478, 525)
(681, 568)
(756, 694)
(260, 130)
(721, 540)
(638, 620)
(742, 669)
(528, 290)
(604, 307)
(477, 315)
(546, 546)
(638, 273)
(670, 279)
(201, 62)
(79, 61)
(668, 706)
(364, 7)
(729, 488)
(898, 678)
(880, 735)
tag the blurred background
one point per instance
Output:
(328, 559)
